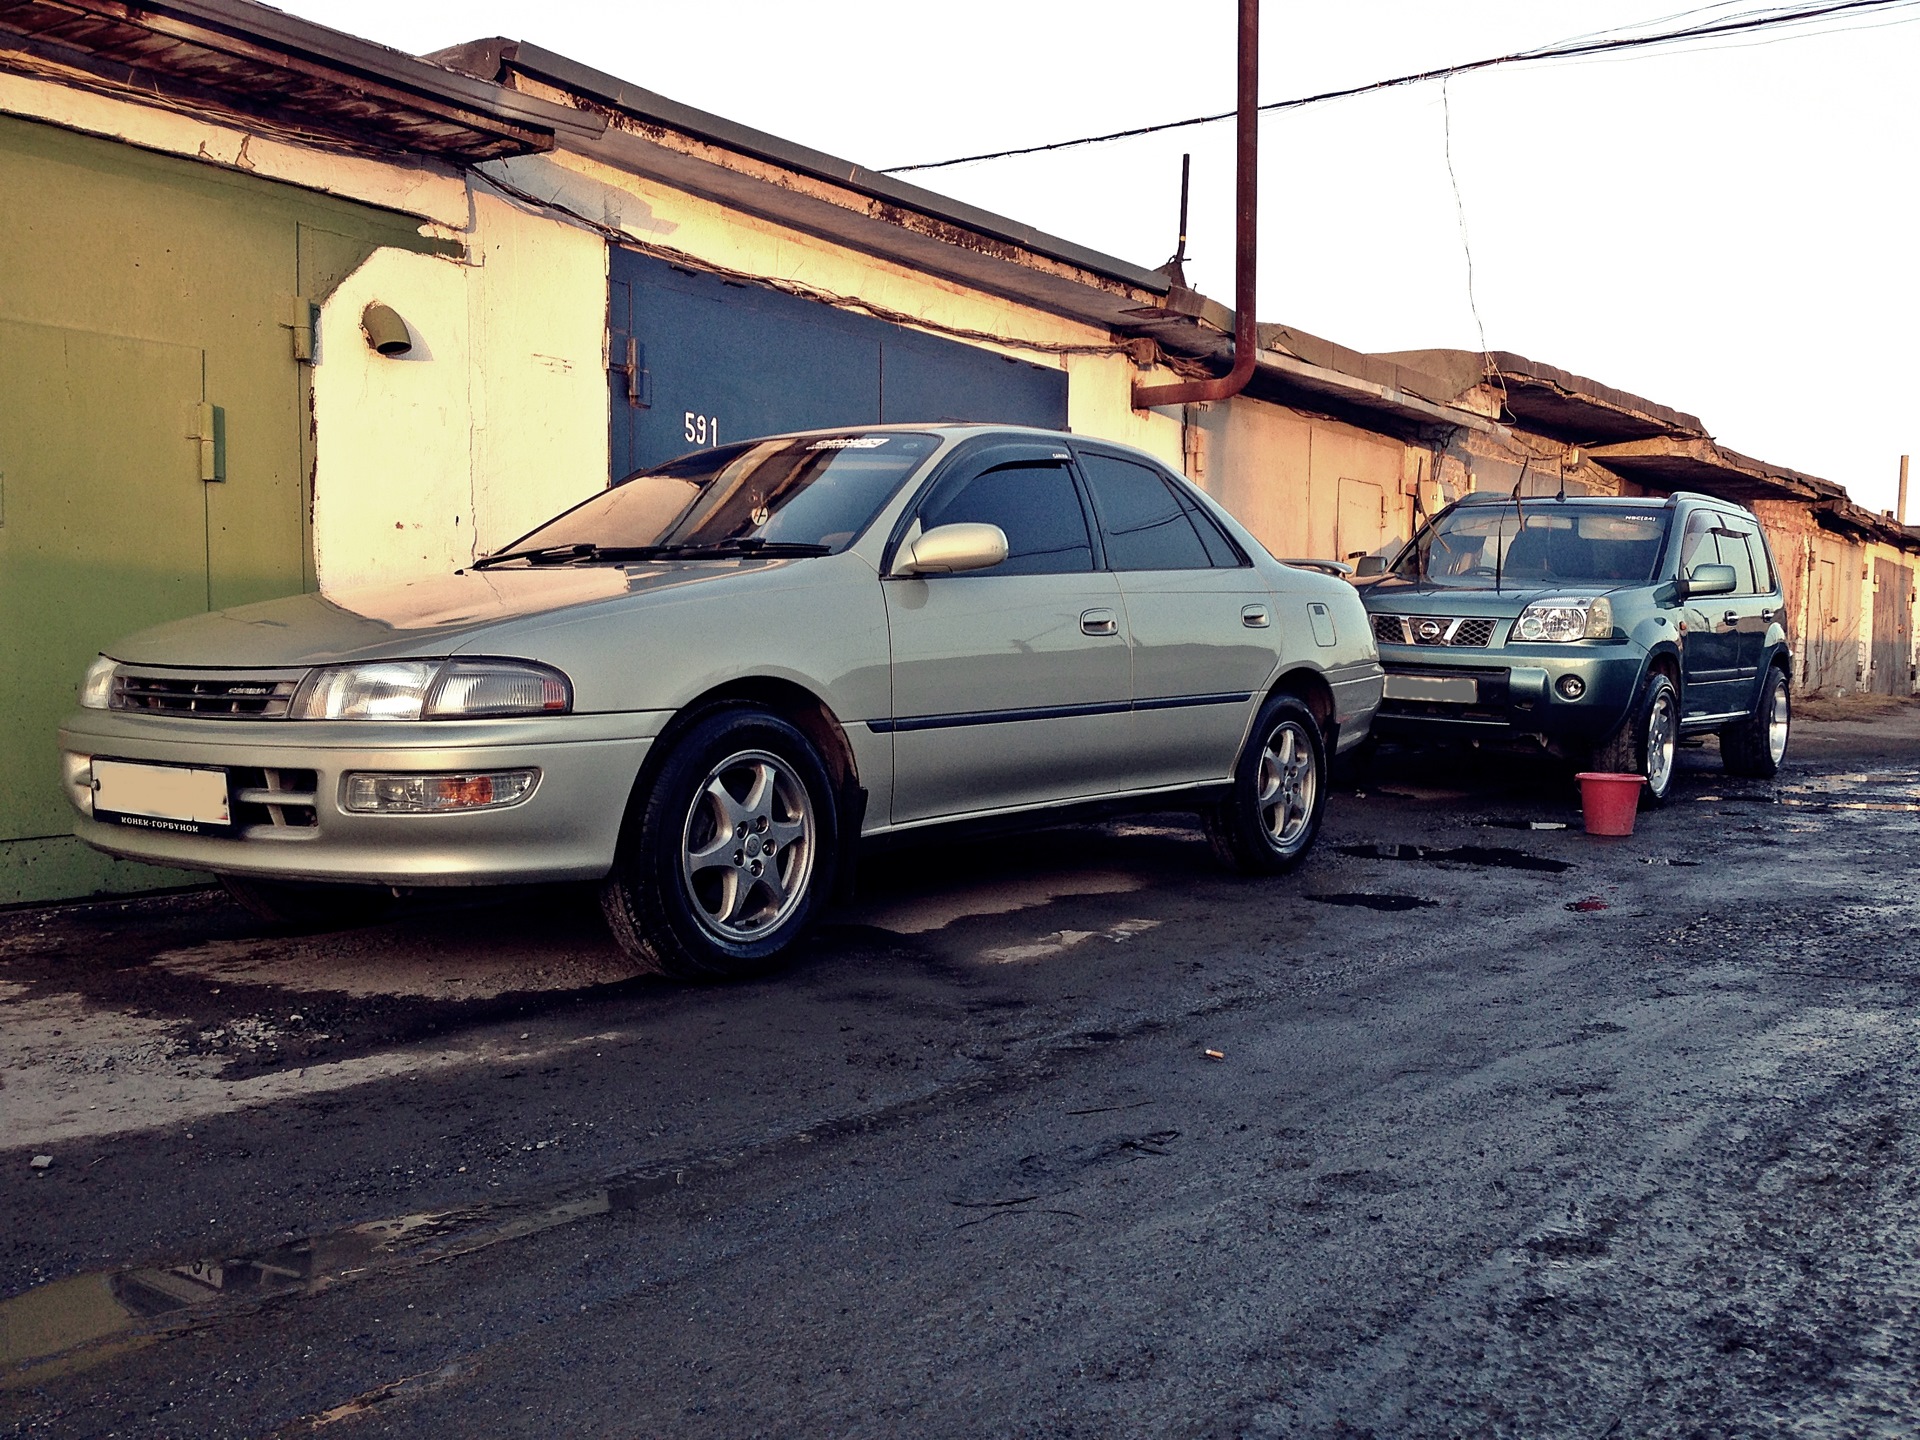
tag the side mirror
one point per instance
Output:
(953, 549)
(1708, 580)
(1370, 565)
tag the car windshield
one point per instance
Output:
(810, 495)
(1482, 547)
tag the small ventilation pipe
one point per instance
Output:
(1246, 203)
(386, 332)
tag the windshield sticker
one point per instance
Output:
(862, 442)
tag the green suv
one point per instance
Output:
(1604, 629)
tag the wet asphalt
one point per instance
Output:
(1469, 1127)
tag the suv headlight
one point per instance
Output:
(96, 686)
(432, 690)
(1565, 620)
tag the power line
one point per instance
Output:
(1607, 42)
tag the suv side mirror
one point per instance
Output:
(1370, 565)
(1708, 580)
(954, 549)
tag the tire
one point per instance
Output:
(1268, 823)
(683, 901)
(1756, 744)
(1647, 742)
(296, 905)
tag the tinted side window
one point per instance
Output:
(1144, 526)
(1734, 552)
(1035, 504)
(1763, 581)
(1697, 545)
(1220, 548)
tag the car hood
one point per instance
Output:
(1394, 596)
(436, 616)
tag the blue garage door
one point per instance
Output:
(698, 360)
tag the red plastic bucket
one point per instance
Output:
(1609, 802)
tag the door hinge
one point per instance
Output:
(639, 378)
(301, 319)
(210, 434)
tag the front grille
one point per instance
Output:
(214, 697)
(276, 799)
(1432, 630)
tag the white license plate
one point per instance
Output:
(161, 797)
(1447, 689)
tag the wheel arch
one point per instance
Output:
(1310, 687)
(798, 706)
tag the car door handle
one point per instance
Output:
(1099, 622)
(1732, 617)
(1255, 617)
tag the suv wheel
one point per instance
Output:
(1757, 743)
(730, 852)
(1267, 824)
(1648, 740)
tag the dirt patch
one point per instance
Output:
(1852, 709)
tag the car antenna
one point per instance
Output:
(1519, 520)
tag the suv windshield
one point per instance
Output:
(806, 496)
(1481, 547)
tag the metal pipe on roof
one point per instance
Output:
(1900, 511)
(1246, 202)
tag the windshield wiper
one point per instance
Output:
(541, 555)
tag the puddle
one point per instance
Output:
(1499, 857)
(1525, 825)
(1374, 902)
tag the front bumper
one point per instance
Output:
(1518, 692)
(565, 830)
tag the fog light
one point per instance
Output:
(375, 794)
(1571, 687)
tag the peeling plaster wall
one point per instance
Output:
(415, 187)
(1280, 472)
(495, 421)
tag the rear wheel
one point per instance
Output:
(1757, 743)
(301, 906)
(1267, 824)
(1646, 743)
(729, 855)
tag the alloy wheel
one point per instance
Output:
(747, 848)
(1662, 736)
(1778, 719)
(1289, 784)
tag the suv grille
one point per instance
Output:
(217, 697)
(1432, 630)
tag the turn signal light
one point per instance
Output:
(371, 793)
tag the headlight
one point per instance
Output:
(96, 686)
(432, 690)
(1565, 620)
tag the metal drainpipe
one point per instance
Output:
(1246, 199)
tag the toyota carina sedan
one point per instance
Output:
(706, 685)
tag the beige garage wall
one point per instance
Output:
(1305, 486)
(495, 421)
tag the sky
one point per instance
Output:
(1726, 228)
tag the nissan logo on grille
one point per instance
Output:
(1428, 631)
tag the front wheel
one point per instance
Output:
(1267, 823)
(1756, 744)
(1646, 742)
(728, 855)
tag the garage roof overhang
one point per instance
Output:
(237, 59)
(1678, 463)
(1554, 402)
(764, 175)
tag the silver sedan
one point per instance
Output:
(707, 685)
